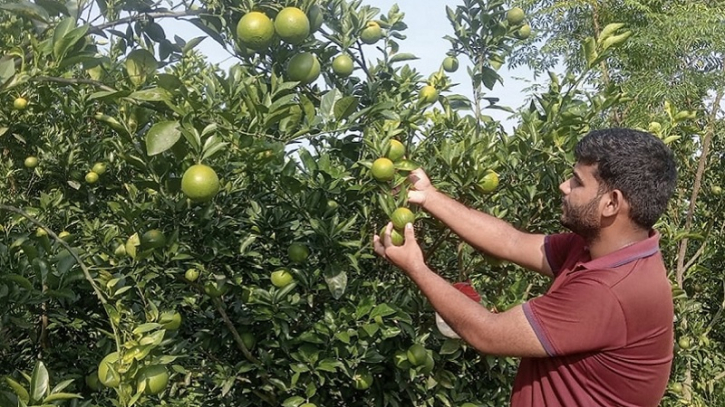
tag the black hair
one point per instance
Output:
(637, 163)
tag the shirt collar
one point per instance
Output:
(639, 250)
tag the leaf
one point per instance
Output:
(40, 382)
(7, 70)
(64, 40)
(337, 284)
(192, 43)
(450, 346)
(27, 9)
(161, 137)
(589, 48)
(61, 396)
(293, 401)
(608, 30)
(327, 105)
(345, 107)
(18, 389)
(489, 77)
(403, 57)
(139, 64)
(151, 95)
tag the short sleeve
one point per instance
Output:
(580, 316)
(558, 248)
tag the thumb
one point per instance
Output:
(409, 232)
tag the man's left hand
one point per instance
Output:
(408, 256)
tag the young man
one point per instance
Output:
(603, 333)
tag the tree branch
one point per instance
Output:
(74, 81)
(142, 16)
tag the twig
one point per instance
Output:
(73, 81)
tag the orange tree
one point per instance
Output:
(145, 247)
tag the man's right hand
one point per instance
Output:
(421, 187)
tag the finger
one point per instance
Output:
(387, 240)
(415, 175)
(378, 246)
(409, 233)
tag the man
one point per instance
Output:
(603, 333)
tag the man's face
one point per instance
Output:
(580, 203)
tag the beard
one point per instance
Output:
(583, 219)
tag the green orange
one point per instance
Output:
(428, 94)
(304, 68)
(524, 32)
(191, 274)
(372, 33)
(383, 169)
(107, 373)
(170, 320)
(489, 182)
(156, 378)
(200, 183)
(255, 30)
(515, 16)
(342, 66)
(362, 379)
(401, 217)
(153, 239)
(417, 354)
(298, 252)
(20, 103)
(31, 162)
(396, 150)
(450, 64)
(99, 168)
(281, 278)
(91, 177)
(292, 25)
(395, 237)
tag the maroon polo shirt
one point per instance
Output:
(607, 325)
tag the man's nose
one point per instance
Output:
(564, 187)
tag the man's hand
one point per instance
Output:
(408, 257)
(421, 187)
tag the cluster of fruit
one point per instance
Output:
(256, 32)
(298, 254)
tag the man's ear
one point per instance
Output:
(614, 203)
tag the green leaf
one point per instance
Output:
(7, 70)
(40, 382)
(162, 136)
(450, 346)
(293, 401)
(61, 396)
(151, 95)
(345, 107)
(382, 310)
(18, 389)
(403, 57)
(65, 36)
(327, 104)
(608, 30)
(192, 43)
(27, 9)
(589, 49)
(139, 64)
(489, 77)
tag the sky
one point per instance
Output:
(427, 25)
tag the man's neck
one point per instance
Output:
(610, 241)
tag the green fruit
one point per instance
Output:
(401, 360)
(153, 239)
(304, 68)
(191, 275)
(362, 379)
(677, 388)
(215, 289)
(292, 25)
(107, 373)
(524, 32)
(281, 278)
(298, 252)
(469, 405)
(417, 354)
(31, 162)
(91, 177)
(40, 232)
(156, 378)
(401, 217)
(255, 30)
(716, 190)
(450, 64)
(489, 182)
(248, 340)
(428, 94)
(200, 183)
(396, 237)
(684, 343)
(64, 235)
(383, 169)
(92, 381)
(396, 150)
(342, 66)
(99, 168)
(515, 16)
(20, 103)
(372, 33)
(171, 321)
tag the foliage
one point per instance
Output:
(293, 163)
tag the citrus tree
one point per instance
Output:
(178, 233)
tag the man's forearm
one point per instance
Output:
(480, 230)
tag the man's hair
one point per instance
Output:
(636, 163)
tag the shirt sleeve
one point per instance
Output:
(558, 247)
(581, 316)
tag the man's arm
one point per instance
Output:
(488, 233)
(507, 334)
